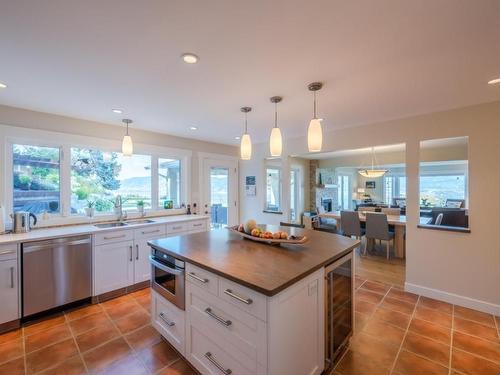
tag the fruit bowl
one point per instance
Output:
(290, 239)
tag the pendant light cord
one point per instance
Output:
(276, 115)
(314, 92)
(246, 130)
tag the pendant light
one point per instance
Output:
(246, 142)
(275, 143)
(372, 173)
(127, 145)
(314, 132)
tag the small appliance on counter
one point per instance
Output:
(22, 221)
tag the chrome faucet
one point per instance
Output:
(119, 208)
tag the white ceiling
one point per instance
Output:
(379, 60)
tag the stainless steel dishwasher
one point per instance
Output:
(56, 272)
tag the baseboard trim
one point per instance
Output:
(455, 299)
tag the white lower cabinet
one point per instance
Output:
(9, 290)
(169, 320)
(245, 332)
(113, 266)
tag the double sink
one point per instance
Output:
(116, 224)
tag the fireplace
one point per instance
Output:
(327, 204)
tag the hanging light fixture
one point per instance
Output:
(127, 145)
(246, 142)
(275, 143)
(314, 132)
(372, 173)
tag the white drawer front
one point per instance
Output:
(235, 329)
(116, 236)
(204, 279)
(244, 298)
(150, 231)
(173, 228)
(209, 358)
(8, 251)
(198, 226)
(169, 321)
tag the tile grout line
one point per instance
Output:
(25, 356)
(404, 337)
(76, 343)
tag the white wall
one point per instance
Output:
(462, 268)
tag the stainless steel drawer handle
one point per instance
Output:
(200, 279)
(246, 301)
(224, 322)
(210, 357)
(7, 252)
(167, 322)
(150, 232)
(136, 252)
(12, 277)
(114, 237)
(175, 228)
(197, 225)
(130, 247)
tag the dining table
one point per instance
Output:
(398, 221)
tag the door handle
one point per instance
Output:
(230, 293)
(222, 321)
(167, 322)
(136, 252)
(131, 253)
(201, 280)
(12, 277)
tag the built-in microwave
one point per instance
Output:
(168, 277)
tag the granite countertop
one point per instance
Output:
(75, 230)
(262, 267)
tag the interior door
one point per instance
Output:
(220, 191)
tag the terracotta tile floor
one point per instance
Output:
(402, 333)
(114, 337)
(396, 333)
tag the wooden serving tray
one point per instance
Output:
(299, 240)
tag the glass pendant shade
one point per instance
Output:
(372, 173)
(127, 146)
(246, 147)
(275, 142)
(314, 135)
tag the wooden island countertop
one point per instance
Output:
(264, 268)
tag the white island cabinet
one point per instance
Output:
(9, 284)
(232, 329)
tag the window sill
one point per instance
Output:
(444, 228)
(273, 212)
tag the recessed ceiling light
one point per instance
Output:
(193, 128)
(3, 85)
(117, 111)
(494, 81)
(237, 137)
(190, 58)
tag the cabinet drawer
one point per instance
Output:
(235, 329)
(198, 226)
(169, 321)
(173, 228)
(8, 251)
(150, 231)
(116, 236)
(244, 298)
(204, 279)
(210, 358)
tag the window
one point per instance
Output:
(437, 190)
(219, 196)
(169, 183)
(98, 176)
(343, 190)
(294, 194)
(273, 189)
(388, 189)
(401, 191)
(36, 179)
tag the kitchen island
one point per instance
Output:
(253, 308)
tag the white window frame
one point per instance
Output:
(340, 191)
(296, 198)
(280, 198)
(42, 138)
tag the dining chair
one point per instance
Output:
(351, 225)
(377, 228)
(439, 219)
(391, 211)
